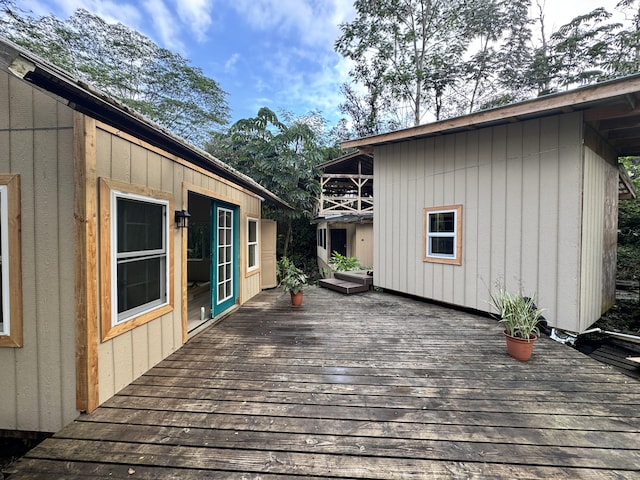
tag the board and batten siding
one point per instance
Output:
(36, 142)
(599, 221)
(520, 187)
(123, 158)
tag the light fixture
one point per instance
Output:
(182, 219)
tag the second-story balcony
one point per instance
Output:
(347, 186)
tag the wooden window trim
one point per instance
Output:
(457, 260)
(108, 330)
(15, 337)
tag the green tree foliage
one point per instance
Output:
(629, 227)
(581, 48)
(405, 53)
(125, 64)
(435, 58)
(281, 155)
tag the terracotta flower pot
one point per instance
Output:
(519, 348)
(296, 299)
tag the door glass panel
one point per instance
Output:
(225, 255)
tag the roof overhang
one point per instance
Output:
(90, 101)
(366, 217)
(611, 108)
(349, 163)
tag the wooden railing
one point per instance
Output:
(350, 203)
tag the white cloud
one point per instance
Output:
(302, 71)
(195, 14)
(109, 11)
(230, 64)
(315, 23)
(164, 25)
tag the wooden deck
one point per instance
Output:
(371, 386)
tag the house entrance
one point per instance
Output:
(225, 256)
(212, 259)
(339, 241)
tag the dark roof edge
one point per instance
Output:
(88, 100)
(540, 106)
(343, 158)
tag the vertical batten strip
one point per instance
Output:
(86, 257)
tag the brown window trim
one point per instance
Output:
(15, 337)
(457, 260)
(108, 330)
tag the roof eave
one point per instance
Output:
(90, 101)
(538, 107)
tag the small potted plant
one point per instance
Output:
(520, 318)
(292, 280)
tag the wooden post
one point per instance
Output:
(86, 261)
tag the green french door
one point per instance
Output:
(225, 256)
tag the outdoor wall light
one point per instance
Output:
(182, 219)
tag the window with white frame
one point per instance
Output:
(252, 245)
(443, 234)
(5, 298)
(139, 269)
(321, 236)
(10, 263)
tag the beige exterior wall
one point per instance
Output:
(520, 186)
(41, 389)
(36, 141)
(363, 244)
(359, 244)
(120, 157)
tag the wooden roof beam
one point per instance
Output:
(612, 111)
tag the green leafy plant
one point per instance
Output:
(518, 314)
(342, 263)
(292, 279)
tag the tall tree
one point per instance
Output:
(581, 48)
(281, 155)
(515, 53)
(404, 50)
(624, 51)
(158, 83)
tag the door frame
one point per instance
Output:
(219, 307)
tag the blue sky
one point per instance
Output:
(274, 53)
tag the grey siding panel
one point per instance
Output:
(591, 276)
(520, 187)
(38, 380)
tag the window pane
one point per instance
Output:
(1, 299)
(442, 245)
(252, 255)
(2, 255)
(442, 222)
(253, 231)
(139, 282)
(140, 225)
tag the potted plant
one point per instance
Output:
(520, 318)
(292, 280)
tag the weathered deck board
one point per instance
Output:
(374, 387)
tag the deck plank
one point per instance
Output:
(373, 387)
